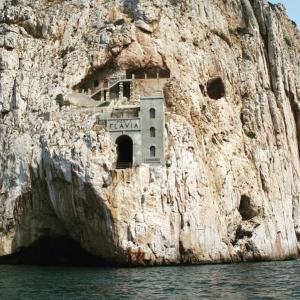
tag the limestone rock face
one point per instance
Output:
(230, 189)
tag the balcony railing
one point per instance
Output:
(110, 84)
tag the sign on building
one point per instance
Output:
(123, 124)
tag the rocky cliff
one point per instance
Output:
(230, 189)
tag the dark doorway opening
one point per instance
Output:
(126, 91)
(125, 152)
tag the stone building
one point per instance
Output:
(138, 132)
(111, 84)
(135, 112)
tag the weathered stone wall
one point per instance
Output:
(230, 189)
(149, 87)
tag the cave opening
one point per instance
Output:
(124, 151)
(246, 208)
(215, 88)
(53, 251)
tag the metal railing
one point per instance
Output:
(112, 82)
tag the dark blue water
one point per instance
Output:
(280, 280)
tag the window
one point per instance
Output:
(152, 113)
(152, 131)
(152, 151)
(96, 83)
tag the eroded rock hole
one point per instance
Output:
(246, 208)
(241, 233)
(298, 237)
(124, 151)
(53, 251)
(215, 88)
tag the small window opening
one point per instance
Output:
(96, 83)
(152, 151)
(152, 132)
(152, 113)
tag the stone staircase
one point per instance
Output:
(112, 83)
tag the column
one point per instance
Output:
(132, 96)
(107, 95)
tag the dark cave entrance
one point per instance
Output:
(216, 88)
(246, 208)
(53, 251)
(125, 152)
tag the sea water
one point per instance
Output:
(270, 280)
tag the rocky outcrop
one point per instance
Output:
(230, 190)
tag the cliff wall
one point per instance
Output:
(230, 190)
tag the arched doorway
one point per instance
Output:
(125, 152)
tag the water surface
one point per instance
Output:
(280, 280)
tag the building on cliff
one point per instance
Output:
(133, 114)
